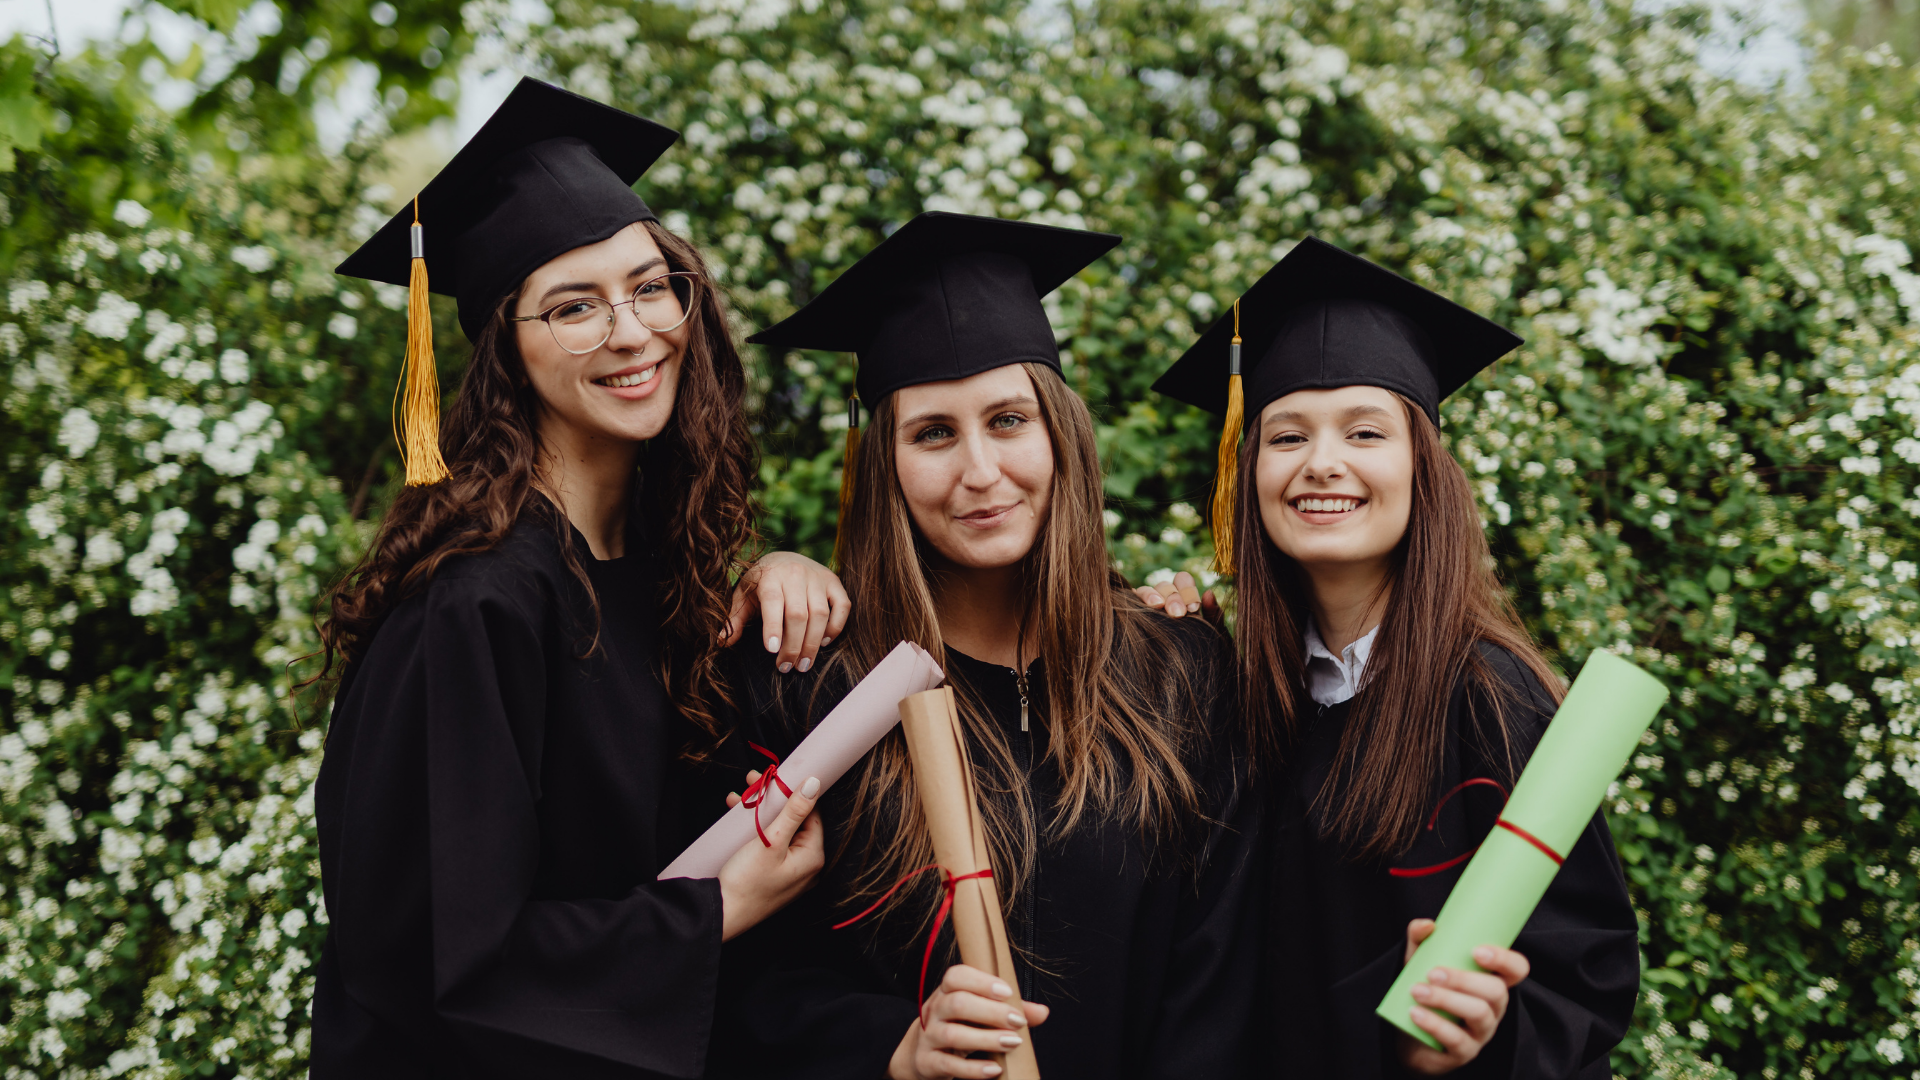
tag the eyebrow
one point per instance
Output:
(1017, 399)
(588, 286)
(1290, 416)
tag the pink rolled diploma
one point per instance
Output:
(861, 719)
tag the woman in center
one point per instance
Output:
(1104, 735)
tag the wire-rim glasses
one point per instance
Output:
(582, 324)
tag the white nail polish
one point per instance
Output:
(1001, 990)
(784, 668)
(806, 662)
(1009, 1041)
(1016, 1019)
(811, 787)
(773, 644)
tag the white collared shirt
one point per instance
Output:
(1333, 679)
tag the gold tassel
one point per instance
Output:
(1226, 483)
(846, 483)
(416, 420)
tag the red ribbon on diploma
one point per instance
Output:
(1423, 871)
(939, 920)
(756, 792)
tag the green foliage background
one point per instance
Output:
(1705, 457)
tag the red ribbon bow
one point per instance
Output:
(1423, 871)
(756, 792)
(939, 919)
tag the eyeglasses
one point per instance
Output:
(585, 323)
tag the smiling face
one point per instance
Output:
(1334, 476)
(622, 392)
(976, 465)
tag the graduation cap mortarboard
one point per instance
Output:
(550, 171)
(1323, 318)
(946, 296)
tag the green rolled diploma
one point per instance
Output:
(1585, 747)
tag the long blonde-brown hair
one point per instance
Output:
(1125, 713)
(1443, 603)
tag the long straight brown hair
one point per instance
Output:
(1444, 600)
(694, 493)
(1124, 709)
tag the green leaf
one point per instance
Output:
(1718, 579)
(24, 117)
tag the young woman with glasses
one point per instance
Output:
(530, 643)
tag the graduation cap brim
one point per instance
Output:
(461, 195)
(846, 314)
(1463, 343)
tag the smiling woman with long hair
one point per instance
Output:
(1116, 812)
(1385, 668)
(499, 784)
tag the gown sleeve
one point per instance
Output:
(1204, 1017)
(1582, 942)
(453, 715)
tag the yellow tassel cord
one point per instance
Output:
(846, 482)
(1226, 484)
(416, 420)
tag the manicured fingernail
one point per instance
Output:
(1009, 1041)
(1437, 975)
(991, 1070)
(1001, 990)
(773, 644)
(1422, 991)
(826, 641)
(1014, 1019)
(1483, 955)
(784, 668)
(806, 662)
(811, 787)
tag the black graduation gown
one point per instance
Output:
(1152, 965)
(1337, 934)
(492, 811)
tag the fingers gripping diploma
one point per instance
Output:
(762, 877)
(1477, 999)
(801, 606)
(970, 1011)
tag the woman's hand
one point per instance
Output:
(801, 606)
(1181, 598)
(760, 880)
(1478, 998)
(971, 1010)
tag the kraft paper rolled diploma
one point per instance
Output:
(843, 737)
(944, 773)
(1585, 747)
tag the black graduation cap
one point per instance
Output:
(1322, 318)
(550, 171)
(946, 296)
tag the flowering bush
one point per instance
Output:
(166, 538)
(1705, 457)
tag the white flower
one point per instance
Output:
(1698, 1029)
(1618, 321)
(26, 294)
(131, 214)
(342, 325)
(256, 258)
(1662, 520)
(1891, 1050)
(102, 550)
(1816, 993)
(113, 317)
(1840, 692)
(233, 366)
(1722, 1003)
(78, 432)
(67, 1004)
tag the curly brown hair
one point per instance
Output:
(694, 482)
